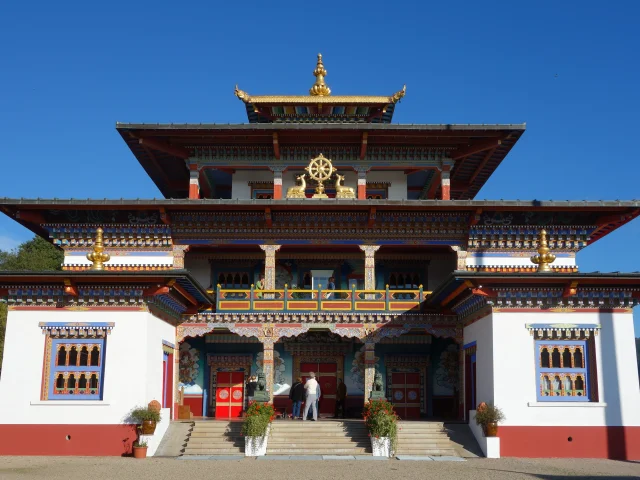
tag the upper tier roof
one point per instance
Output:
(163, 150)
(319, 106)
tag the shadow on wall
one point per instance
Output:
(616, 441)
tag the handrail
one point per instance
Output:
(300, 300)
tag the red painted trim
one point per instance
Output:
(195, 404)
(362, 192)
(194, 191)
(568, 310)
(277, 192)
(620, 443)
(95, 309)
(93, 440)
(446, 192)
(170, 381)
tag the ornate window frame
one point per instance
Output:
(560, 344)
(67, 338)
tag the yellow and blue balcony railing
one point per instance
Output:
(298, 300)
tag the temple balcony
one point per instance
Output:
(294, 300)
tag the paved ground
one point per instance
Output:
(98, 468)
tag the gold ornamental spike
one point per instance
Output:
(544, 259)
(98, 257)
(320, 89)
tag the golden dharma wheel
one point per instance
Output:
(320, 168)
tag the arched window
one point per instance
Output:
(73, 356)
(236, 281)
(566, 358)
(557, 385)
(84, 357)
(577, 358)
(62, 356)
(82, 382)
(245, 281)
(221, 280)
(544, 358)
(546, 385)
(60, 382)
(95, 356)
(93, 382)
(71, 383)
(568, 385)
(555, 358)
(393, 283)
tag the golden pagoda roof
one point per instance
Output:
(320, 94)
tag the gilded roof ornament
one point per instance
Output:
(98, 257)
(544, 259)
(320, 89)
(242, 95)
(398, 95)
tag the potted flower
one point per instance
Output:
(382, 423)
(488, 416)
(147, 417)
(140, 449)
(256, 428)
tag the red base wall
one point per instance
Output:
(90, 440)
(620, 443)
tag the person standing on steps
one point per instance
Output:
(296, 394)
(311, 389)
(341, 399)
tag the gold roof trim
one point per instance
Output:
(320, 94)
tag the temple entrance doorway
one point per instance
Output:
(326, 375)
(406, 394)
(229, 394)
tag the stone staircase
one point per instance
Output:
(424, 438)
(325, 437)
(215, 438)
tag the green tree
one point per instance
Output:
(34, 255)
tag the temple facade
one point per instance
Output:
(320, 237)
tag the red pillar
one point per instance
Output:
(445, 185)
(362, 183)
(194, 181)
(277, 181)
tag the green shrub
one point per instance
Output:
(141, 414)
(487, 413)
(381, 421)
(257, 419)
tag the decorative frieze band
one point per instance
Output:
(76, 330)
(562, 331)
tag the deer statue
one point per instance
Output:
(298, 190)
(342, 191)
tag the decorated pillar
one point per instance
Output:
(194, 181)
(178, 256)
(270, 266)
(369, 368)
(362, 182)
(277, 181)
(445, 183)
(267, 364)
(369, 266)
(461, 262)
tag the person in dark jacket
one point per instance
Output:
(296, 394)
(250, 389)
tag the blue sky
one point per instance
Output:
(569, 69)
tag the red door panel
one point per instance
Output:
(406, 394)
(237, 394)
(326, 375)
(229, 394)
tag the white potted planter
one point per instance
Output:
(381, 446)
(256, 446)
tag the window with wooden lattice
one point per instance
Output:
(76, 369)
(565, 370)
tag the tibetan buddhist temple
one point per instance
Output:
(319, 239)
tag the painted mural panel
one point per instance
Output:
(191, 369)
(282, 370)
(354, 370)
(446, 371)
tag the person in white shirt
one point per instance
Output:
(311, 394)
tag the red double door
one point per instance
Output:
(326, 375)
(229, 394)
(406, 394)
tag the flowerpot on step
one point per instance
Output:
(491, 430)
(148, 427)
(255, 446)
(140, 452)
(381, 447)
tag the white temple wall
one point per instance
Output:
(200, 269)
(440, 267)
(515, 259)
(240, 188)
(482, 333)
(398, 188)
(132, 373)
(140, 257)
(515, 382)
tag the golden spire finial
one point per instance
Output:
(320, 89)
(544, 259)
(98, 257)
(244, 96)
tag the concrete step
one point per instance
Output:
(317, 451)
